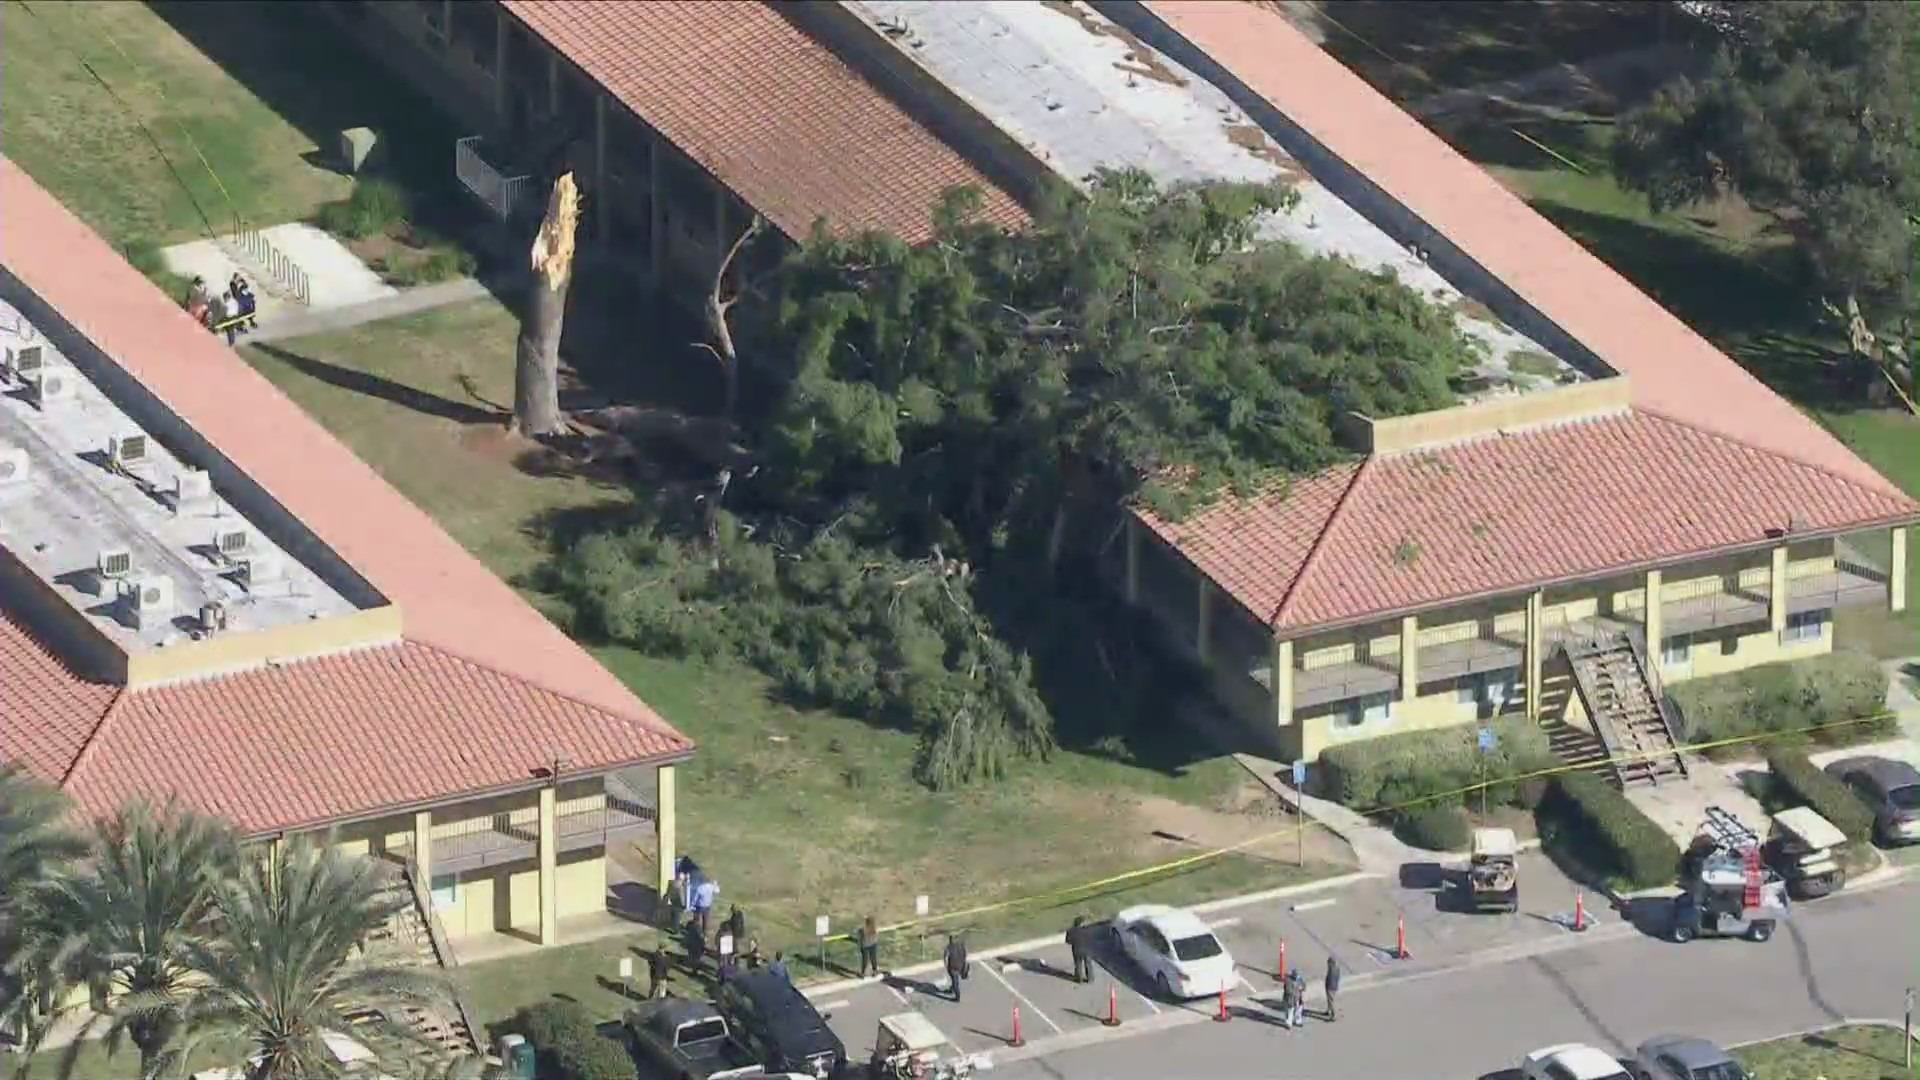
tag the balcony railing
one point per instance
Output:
(503, 193)
(515, 837)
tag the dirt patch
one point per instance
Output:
(1140, 61)
(495, 444)
(1249, 815)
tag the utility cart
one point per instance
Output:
(1493, 872)
(1727, 890)
(909, 1047)
(1804, 850)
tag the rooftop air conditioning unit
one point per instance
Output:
(126, 450)
(152, 599)
(191, 486)
(213, 617)
(24, 361)
(232, 543)
(50, 384)
(114, 563)
(13, 465)
(255, 570)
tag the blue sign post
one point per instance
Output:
(1487, 742)
(1300, 825)
(1299, 775)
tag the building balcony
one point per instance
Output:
(504, 838)
(1852, 583)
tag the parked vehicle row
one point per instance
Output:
(758, 1025)
(1668, 1057)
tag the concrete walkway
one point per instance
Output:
(1374, 846)
(293, 322)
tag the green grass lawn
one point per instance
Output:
(796, 813)
(1849, 1053)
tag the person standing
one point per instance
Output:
(957, 966)
(869, 942)
(1297, 989)
(1081, 948)
(696, 945)
(779, 966)
(705, 892)
(657, 973)
(1289, 1001)
(736, 925)
(1333, 985)
(230, 315)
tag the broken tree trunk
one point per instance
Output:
(536, 368)
(719, 302)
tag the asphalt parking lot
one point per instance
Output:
(1358, 923)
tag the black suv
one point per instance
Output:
(782, 1028)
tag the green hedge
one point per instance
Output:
(1790, 696)
(1435, 828)
(1395, 770)
(566, 1044)
(1804, 782)
(1614, 838)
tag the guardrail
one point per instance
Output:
(280, 273)
(442, 950)
(504, 195)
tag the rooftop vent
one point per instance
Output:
(151, 599)
(255, 570)
(25, 361)
(48, 385)
(232, 543)
(213, 617)
(114, 563)
(191, 487)
(127, 450)
(13, 465)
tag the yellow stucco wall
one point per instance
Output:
(1717, 653)
(508, 897)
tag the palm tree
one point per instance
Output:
(128, 925)
(291, 965)
(36, 845)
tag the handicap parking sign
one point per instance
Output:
(1487, 740)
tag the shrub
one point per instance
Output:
(376, 206)
(1435, 828)
(1800, 781)
(1417, 765)
(1616, 838)
(440, 264)
(1821, 697)
(567, 1046)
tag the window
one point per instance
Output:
(1371, 709)
(1676, 651)
(1467, 691)
(1500, 690)
(1197, 947)
(446, 891)
(1805, 626)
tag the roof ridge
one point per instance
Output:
(1319, 542)
(1895, 492)
(85, 756)
(544, 688)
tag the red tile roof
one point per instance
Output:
(771, 113)
(480, 669)
(1709, 458)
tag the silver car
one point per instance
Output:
(1682, 1057)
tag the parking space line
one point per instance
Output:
(841, 1004)
(1315, 905)
(896, 992)
(1144, 1000)
(1024, 1000)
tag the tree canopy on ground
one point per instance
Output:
(1808, 112)
(940, 412)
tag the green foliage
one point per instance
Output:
(1435, 828)
(1808, 111)
(1138, 338)
(566, 1044)
(1608, 834)
(835, 624)
(375, 207)
(1819, 697)
(1799, 781)
(1413, 766)
(146, 256)
(439, 264)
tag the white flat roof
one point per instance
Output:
(71, 507)
(1083, 94)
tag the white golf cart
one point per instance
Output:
(909, 1047)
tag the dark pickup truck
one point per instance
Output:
(678, 1039)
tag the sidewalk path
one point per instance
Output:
(424, 298)
(1376, 848)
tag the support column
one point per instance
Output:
(1897, 570)
(600, 200)
(656, 208)
(423, 850)
(1777, 592)
(1536, 611)
(500, 66)
(664, 841)
(1132, 540)
(1282, 681)
(1654, 616)
(1203, 626)
(549, 870)
(1409, 657)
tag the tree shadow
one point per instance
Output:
(361, 382)
(1496, 133)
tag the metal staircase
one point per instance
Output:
(1621, 690)
(415, 933)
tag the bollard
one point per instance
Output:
(1113, 1007)
(1579, 910)
(1017, 1039)
(1400, 940)
(1222, 1016)
(1280, 974)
